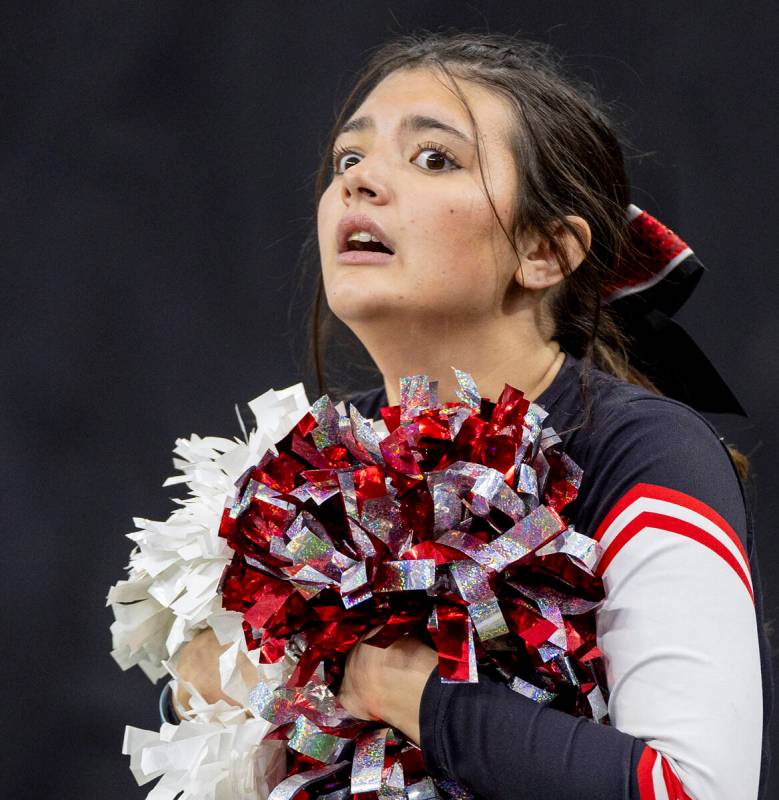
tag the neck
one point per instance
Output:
(494, 354)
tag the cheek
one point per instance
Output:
(325, 223)
(459, 246)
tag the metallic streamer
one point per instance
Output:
(529, 533)
(488, 619)
(308, 574)
(354, 577)
(278, 549)
(240, 505)
(354, 585)
(432, 401)
(471, 546)
(307, 548)
(268, 495)
(586, 550)
(366, 435)
(535, 693)
(447, 505)
(574, 472)
(414, 396)
(338, 794)
(473, 674)
(597, 703)
(549, 438)
(360, 539)
(308, 739)
(549, 652)
(541, 468)
(394, 788)
(404, 576)
(457, 417)
(282, 705)
(550, 611)
(368, 761)
(473, 585)
(467, 393)
(568, 604)
(348, 439)
(527, 484)
(319, 493)
(356, 597)
(566, 667)
(289, 787)
(307, 591)
(423, 790)
(327, 432)
(381, 517)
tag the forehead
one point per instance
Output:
(428, 92)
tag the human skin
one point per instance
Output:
(387, 683)
(454, 294)
(199, 664)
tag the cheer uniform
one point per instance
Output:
(687, 660)
(681, 626)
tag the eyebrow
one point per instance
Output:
(411, 122)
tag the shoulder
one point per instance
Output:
(629, 420)
(639, 444)
(659, 435)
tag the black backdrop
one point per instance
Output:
(155, 186)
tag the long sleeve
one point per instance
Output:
(166, 707)
(678, 631)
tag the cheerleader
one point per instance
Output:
(474, 211)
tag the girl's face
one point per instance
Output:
(409, 163)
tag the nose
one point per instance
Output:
(364, 179)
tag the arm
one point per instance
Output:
(500, 743)
(678, 632)
(197, 662)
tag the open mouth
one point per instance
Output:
(374, 247)
(358, 234)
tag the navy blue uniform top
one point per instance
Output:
(681, 627)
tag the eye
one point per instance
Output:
(437, 157)
(338, 158)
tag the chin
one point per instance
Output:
(357, 298)
(360, 310)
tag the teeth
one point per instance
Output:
(362, 236)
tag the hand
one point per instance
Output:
(198, 663)
(387, 683)
(359, 693)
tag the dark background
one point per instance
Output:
(155, 166)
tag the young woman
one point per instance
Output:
(476, 213)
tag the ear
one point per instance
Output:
(539, 266)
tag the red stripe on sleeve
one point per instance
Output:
(651, 519)
(630, 495)
(669, 523)
(655, 492)
(672, 783)
(646, 789)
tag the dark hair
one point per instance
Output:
(569, 162)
